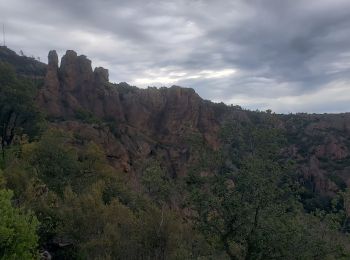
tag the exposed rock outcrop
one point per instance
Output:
(101, 75)
(73, 87)
(147, 121)
(133, 125)
(49, 96)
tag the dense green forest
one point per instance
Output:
(59, 194)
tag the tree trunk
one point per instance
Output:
(251, 234)
(227, 248)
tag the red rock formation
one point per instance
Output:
(155, 122)
(137, 124)
(49, 96)
(148, 120)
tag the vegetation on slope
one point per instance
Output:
(240, 202)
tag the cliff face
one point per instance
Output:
(320, 144)
(71, 87)
(139, 124)
(145, 122)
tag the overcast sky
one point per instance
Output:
(286, 55)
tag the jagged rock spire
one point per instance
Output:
(101, 74)
(53, 59)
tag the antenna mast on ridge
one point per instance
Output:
(3, 34)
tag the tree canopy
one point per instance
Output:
(18, 113)
(18, 238)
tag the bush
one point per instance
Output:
(18, 238)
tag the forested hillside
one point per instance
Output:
(95, 170)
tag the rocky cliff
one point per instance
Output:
(142, 123)
(147, 123)
(320, 145)
(134, 125)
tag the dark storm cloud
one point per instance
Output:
(289, 55)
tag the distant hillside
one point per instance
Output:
(24, 66)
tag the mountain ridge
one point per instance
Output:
(135, 125)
